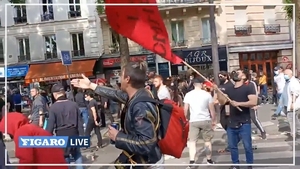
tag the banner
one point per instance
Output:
(143, 25)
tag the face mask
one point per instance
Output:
(276, 72)
(86, 99)
(191, 77)
(172, 84)
(286, 77)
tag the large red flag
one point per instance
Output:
(143, 25)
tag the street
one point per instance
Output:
(274, 150)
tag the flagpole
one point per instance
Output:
(216, 88)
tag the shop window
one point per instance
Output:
(178, 33)
(51, 47)
(77, 45)
(24, 49)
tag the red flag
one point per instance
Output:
(143, 25)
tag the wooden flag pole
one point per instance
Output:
(216, 88)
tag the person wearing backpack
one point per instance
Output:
(137, 138)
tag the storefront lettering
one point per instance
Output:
(42, 79)
(198, 57)
(113, 61)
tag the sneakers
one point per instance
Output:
(210, 162)
(264, 135)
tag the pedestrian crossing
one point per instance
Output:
(274, 150)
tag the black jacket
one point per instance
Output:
(138, 136)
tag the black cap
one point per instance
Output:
(198, 80)
(57, 88)
(278, 68)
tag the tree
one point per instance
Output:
(289, 15)
(122, 41)
(214, 41)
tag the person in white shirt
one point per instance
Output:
(200, 104)
(280, 82)
(162, 90)
(290, 101)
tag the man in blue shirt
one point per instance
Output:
(17, 98)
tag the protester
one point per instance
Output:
(262, 82)
(280, 82)
(291, 103)
(82, 104)
(254, 110)
(138, 139)
(225, 85)
(202, 119)
(94, 118)
(18, 125)
(38, 109)
(65, 119)
(17, 98)
(162, 90)
(239, 122)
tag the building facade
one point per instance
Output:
(258, 38)
(36, 34)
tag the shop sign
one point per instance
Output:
(2, 72)
(17, 71)
(116, 62)
(203, 55)
(53, 78)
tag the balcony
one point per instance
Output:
(271, 28)
(24, 58)
(114, 49)
(50, 55)
(74, 14)
(179, 44)
(243, 30)
(47, 17)
(78, 53)
(20, 19)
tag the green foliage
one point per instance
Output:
(100, 9)
(289, 9)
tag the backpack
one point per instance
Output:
(172, 126)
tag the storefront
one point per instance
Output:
(56, 71)
(112, 66)
(261, 58)
(201, 59)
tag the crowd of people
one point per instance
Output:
(233, 103)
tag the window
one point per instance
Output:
(74, 8)
(1, 51)
(78, 45)
(269, 14)
(205, 31)
(24, 49)
(47, 10)
(20, 14)
(240, 15)
(114, 45)
(51, 48)
(177, 32)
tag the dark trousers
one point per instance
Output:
(18, 108)
(234, 136)
(102, 116)
(92, 126)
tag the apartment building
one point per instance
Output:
(258, 37)
(189, 35)
(37, 34)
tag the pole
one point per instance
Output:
(71, 88)
(216, 88)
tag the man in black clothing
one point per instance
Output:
(225, 85)
(239, 122)
(82, 104)
(65, 119)
(94, 118)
